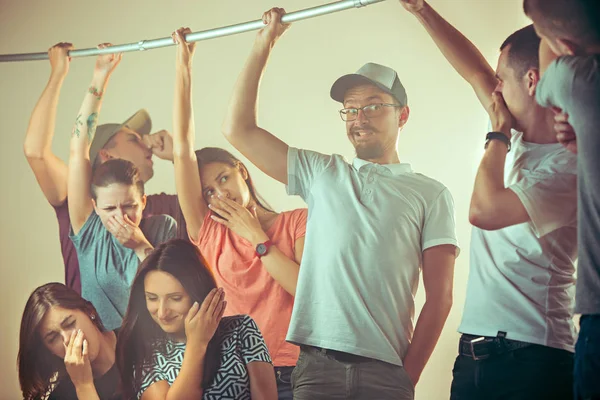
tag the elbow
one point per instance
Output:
(34, 152)
(482, 218)
(443, 303)
(447, 303)
(233, 130)
(229, 130)
(440, 304)
(184, 152)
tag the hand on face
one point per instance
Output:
(77, 362)
(274, 28)
(565, 134)
(59, 58)
(202, 321)
(501, 118)
(161, 144)
(106, 63)
(414, 6)
(239, 219)
(185, 50)
(125, 231)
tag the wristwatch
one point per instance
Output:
(263, 248)
(497, 136)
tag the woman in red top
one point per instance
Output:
(254, 252)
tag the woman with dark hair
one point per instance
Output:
(174, 343)
(254, 252)
(105, 209)
(64, 350)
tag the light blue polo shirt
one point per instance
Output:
(368, 226)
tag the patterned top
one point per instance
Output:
(241, 344)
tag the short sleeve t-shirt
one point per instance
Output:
(249, 287)
(156, 204)
(241, 344)
(521, 278)
(368, 226)
(107, 268)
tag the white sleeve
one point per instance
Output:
(440, 223)
(304, 167)
(550, 199)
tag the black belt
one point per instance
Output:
(337, 355)
(483, 347)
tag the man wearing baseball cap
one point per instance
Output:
(373, 223)
(130, 140)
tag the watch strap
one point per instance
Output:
(266, 245)
(497, 136)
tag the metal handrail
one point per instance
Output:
(197, 36)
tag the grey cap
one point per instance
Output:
(381, 76)
(139, 122)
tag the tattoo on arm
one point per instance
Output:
(93, 90)
(78, 124)
(91, 124)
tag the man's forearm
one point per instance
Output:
(461, 53)
(490, 175)
(241, 115)
(427, 332)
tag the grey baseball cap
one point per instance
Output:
(381, 76)
(139, 122)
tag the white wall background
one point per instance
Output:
(443, 138)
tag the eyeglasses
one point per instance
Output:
(370, 111)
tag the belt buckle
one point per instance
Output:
(472, 343)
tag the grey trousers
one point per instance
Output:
(321, 376)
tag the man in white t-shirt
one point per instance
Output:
(373, 224)
(518, 333)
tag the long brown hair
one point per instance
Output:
(38, 368)
(208, 155)
(140, 335)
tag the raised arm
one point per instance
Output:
(49, 170)
(187, 175)
(457, 49)
(493, 205)
(80, 169)
(240, 127)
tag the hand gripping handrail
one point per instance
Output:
(203, 35)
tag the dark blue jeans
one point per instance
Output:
(283, 376)
(531, 373)
(587, 359)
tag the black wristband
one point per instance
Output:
(497, 136)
